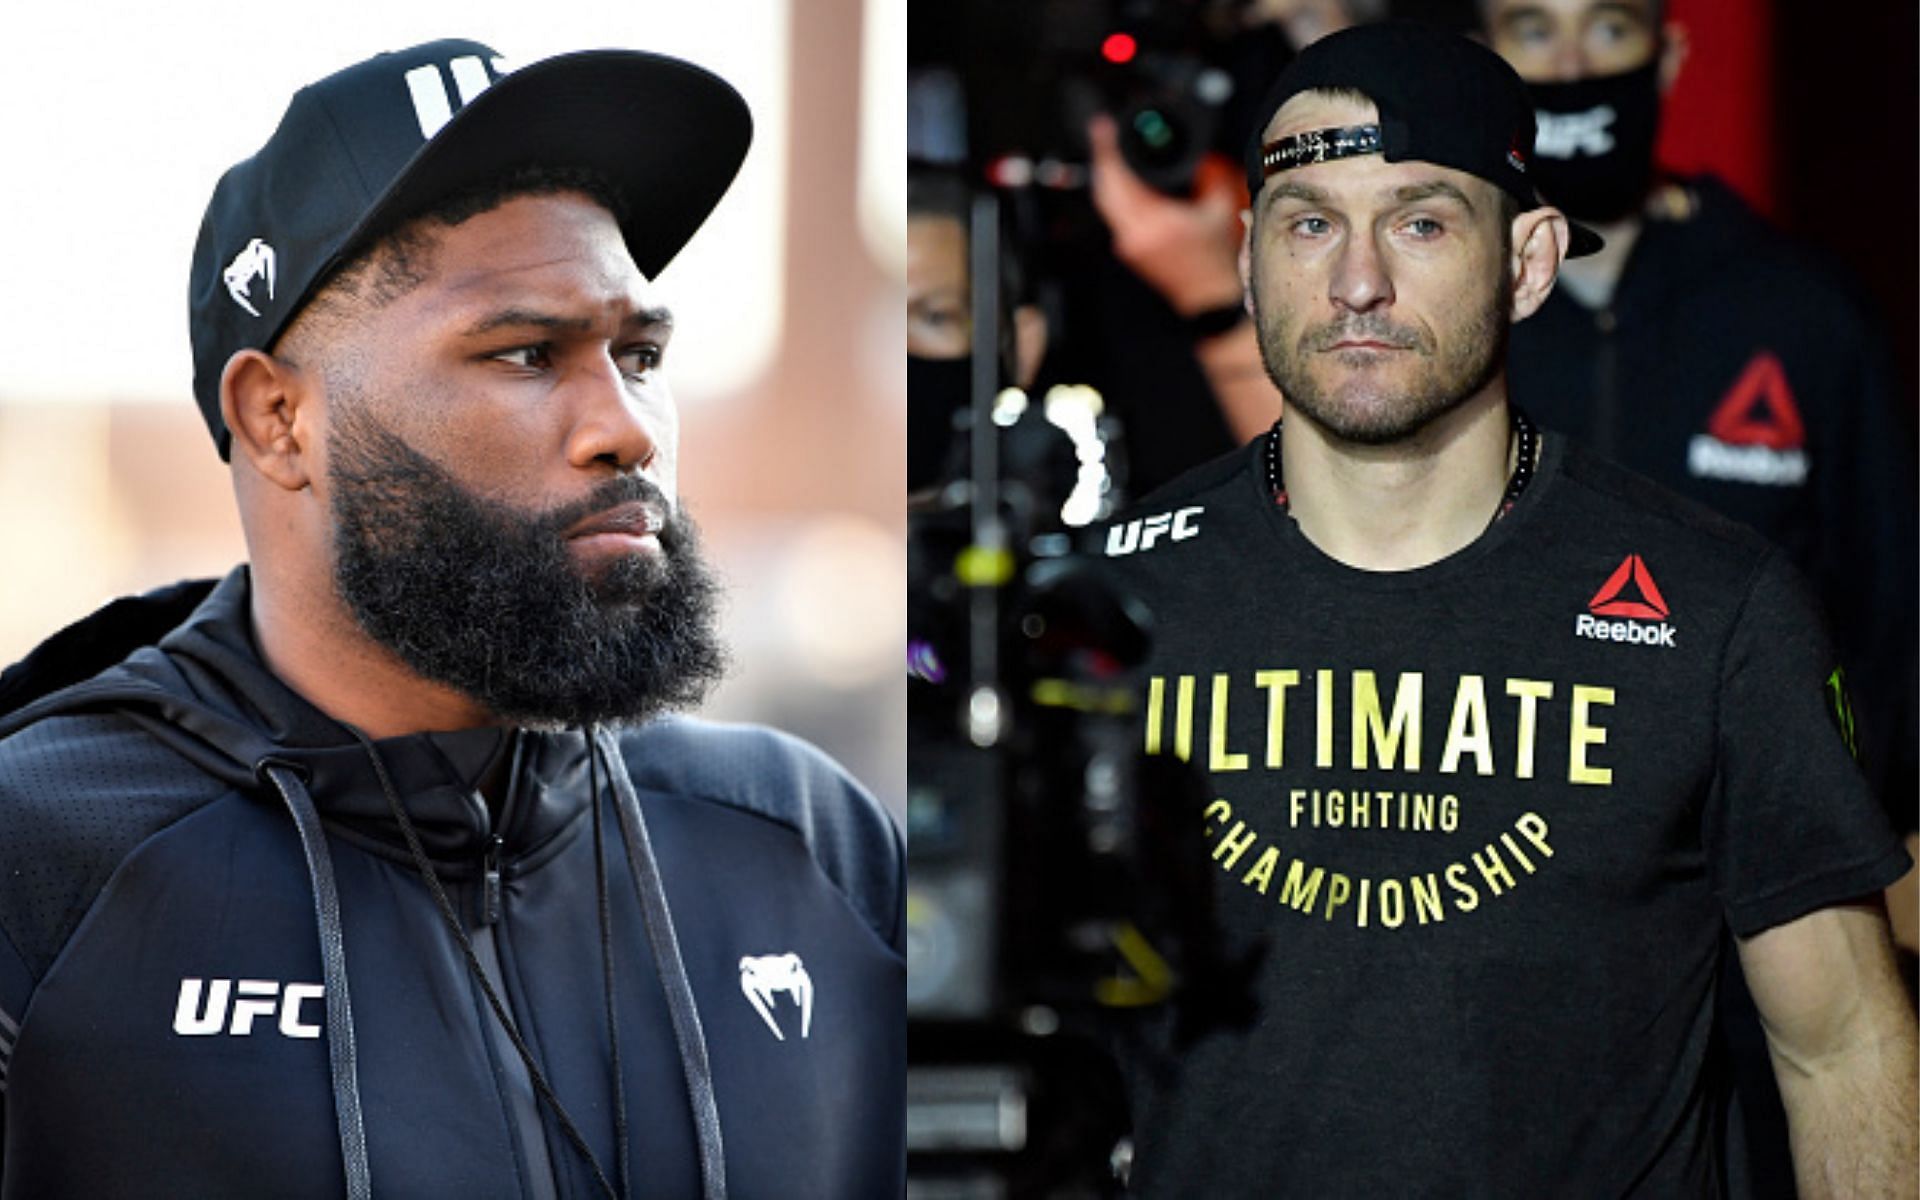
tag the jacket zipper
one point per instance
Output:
(492, 889)
(542, 1182)
(1606, 401)
(492, 898)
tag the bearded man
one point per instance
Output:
(566, 945)
(1498, 737)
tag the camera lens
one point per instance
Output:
(1157, 138)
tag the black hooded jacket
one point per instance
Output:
(223, 973)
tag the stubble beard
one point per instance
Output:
(482, 597)
(1380, 412)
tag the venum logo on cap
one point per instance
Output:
(254, 262)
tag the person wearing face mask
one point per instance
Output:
(940, 342)
(1704, 349)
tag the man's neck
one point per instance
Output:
(315, 647)
(1591, 281)
(1398, 507)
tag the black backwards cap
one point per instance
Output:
(1443, 99)
(371, 146)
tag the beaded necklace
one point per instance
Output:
(1523, 429)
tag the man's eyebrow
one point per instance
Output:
(1632, 10)
(1413, 193)
(527, 318)
(1622, 8)
(1520, 14)
(1287, 189)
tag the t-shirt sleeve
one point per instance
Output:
(1791, 824)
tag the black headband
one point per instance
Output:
(1318, 145)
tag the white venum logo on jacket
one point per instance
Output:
(762, 977)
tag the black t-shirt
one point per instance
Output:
(1488, 819)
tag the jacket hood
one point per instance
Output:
(181, 661)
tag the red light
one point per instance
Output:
(1119, 48)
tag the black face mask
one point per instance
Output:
(938, 390)
(1593, 156)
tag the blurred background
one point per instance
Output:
(117, 118)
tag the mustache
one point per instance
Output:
(621, 489)
(1370, 327)
(379, 462)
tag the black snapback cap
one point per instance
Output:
(369, 147)
(1443, 99)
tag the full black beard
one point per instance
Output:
(479, 596)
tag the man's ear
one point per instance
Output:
(1246, 260)
(268, 404)
(1540, 240)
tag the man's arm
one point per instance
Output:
(1188, 251)
(1840, 1029)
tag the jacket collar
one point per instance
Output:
(210, 683)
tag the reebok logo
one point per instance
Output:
(195, 1017)
(1628, 592)
(1142, 532)
(761, 977)
(1756, 434)
(256, 261)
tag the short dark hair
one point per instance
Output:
(938, 192)
(398, 260)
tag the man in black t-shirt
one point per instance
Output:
(1497, 737)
